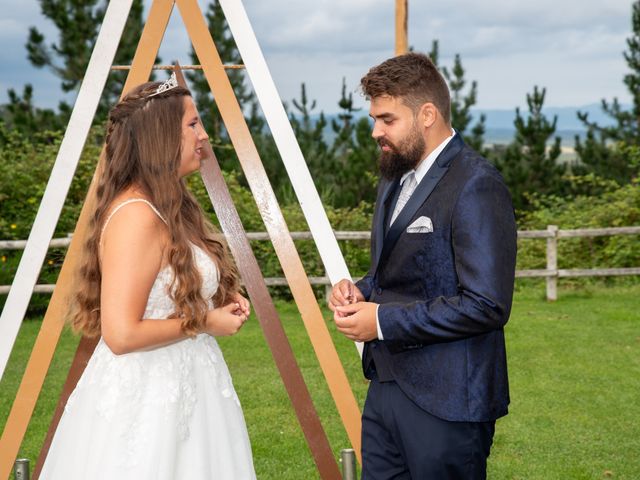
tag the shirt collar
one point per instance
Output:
(425, 164)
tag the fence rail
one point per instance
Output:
(552, 234)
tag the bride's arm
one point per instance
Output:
(132, 254)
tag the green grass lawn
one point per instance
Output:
(575, 389)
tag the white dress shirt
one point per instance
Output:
(420, 171)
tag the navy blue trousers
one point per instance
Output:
(402, 441)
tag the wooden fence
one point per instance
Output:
(552, 234)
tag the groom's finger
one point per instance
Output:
(345, 322)
(350, 309)
(350, 334)
(340, 292)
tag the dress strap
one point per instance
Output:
(127, 202)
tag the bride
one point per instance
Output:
(156, 400)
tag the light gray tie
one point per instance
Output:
(408, 186)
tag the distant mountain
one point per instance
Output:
(503, 136)
(567, 116)
(499, 122)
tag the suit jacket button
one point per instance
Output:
(379, 291)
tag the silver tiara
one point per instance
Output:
(171, 82)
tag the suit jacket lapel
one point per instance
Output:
(420, 195)
(388, 191)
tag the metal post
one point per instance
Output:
(552, 263)
(348, 459)
(21, 469)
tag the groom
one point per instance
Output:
(433, 305)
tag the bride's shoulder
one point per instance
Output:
(133, 217)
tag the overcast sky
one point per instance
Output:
(572, 47)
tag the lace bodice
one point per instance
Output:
(160, 305)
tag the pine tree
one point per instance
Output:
(528, 165)
(78, 23)
(344, 126)
(310, 134)
(602, 152)
(461, 102)
(354, 155)
(20, 114)
(229, 54)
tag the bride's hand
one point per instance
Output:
(228, 320)
(243, 304)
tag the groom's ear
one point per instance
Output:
(428, 114)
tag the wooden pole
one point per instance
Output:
(269, 208)
(552, 263)
(402, 36)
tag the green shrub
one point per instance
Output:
(26, 166)
(616, 207)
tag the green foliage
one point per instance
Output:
(310, 135)
(528, 165)
(344, 127)
(616, 207)
(354, 155)
(594, 152)
(461, 102)
(20, 114)
(344, 171)
(26, 164)
(343, 165)
(78, 24)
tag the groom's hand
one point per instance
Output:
(344, 293)
(357, 321)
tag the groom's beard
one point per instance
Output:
(398, 161)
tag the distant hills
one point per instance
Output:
(499, 122)
(567, 116)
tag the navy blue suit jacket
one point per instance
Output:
(445, 296)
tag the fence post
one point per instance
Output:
(552, 263)
(328, 288)
(348, 459)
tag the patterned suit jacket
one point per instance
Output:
(445, 289)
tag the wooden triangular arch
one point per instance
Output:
(233, 118)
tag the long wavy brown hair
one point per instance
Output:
(143, 149)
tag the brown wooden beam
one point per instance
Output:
(269, 318)
(275, 224)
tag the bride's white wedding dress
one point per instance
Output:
(165, 414)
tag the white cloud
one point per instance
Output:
(507, 46)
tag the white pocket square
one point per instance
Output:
(421, 225)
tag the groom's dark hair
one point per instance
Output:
(411, 77)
